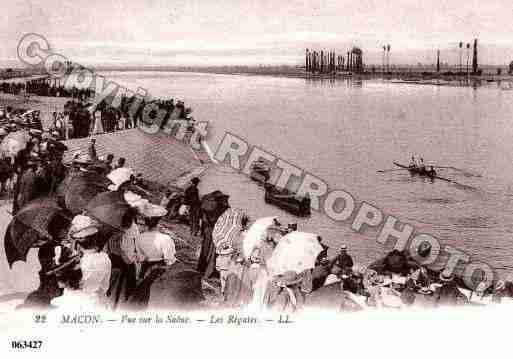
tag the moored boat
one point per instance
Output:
(260, 172)
(287, 200)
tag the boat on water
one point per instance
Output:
(287, 200)
(260, 172)
(417, 171)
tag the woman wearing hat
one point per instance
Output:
(27, 189)
(95, 264)
(373, 283)
(154, 246)
(69, 276)
(155, 249)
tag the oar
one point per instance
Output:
(457, 183)
(460, 170)
(394, 169)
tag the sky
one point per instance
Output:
(257, 32)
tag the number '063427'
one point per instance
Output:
(26, 344)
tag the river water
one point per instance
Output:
(344, 131)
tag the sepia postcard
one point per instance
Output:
(249, 178)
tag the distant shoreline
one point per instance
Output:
(443, 79)
(400, 77)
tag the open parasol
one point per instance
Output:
(13, 143)
(40, 221)
(227, 228)
(110, 209)
(81, 189)
(296, 251)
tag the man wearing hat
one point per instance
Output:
(92, 149)
(322, 258)
(448, 293)
(344, 261)
(192, 200)
(155, 247)
(82, 161)
(20, 164)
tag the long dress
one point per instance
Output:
(207, 259)
(26, 193)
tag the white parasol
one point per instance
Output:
(14, 142)
(296, 251)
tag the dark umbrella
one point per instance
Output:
(38, 222)
(81, 189)
(111, 210)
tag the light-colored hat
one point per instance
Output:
(152, 210)
(82, 159)
(225, 250)
(481, 287)
(46, 136)
(444, 277)
(35, 132)
(343, 247)
(119, 176)
(133, 199)
(500, 285)
(3, 132)
(83, 226)
(425, 290)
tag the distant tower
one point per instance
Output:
(388, 58)
(306, 61)
(474, 58)
(307, 67)
(437, 60)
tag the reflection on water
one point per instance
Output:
(343, 131)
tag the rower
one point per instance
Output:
(422, 166)
(413, 164)
(431, 172)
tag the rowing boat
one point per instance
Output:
(422, 172)
(415, 170)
